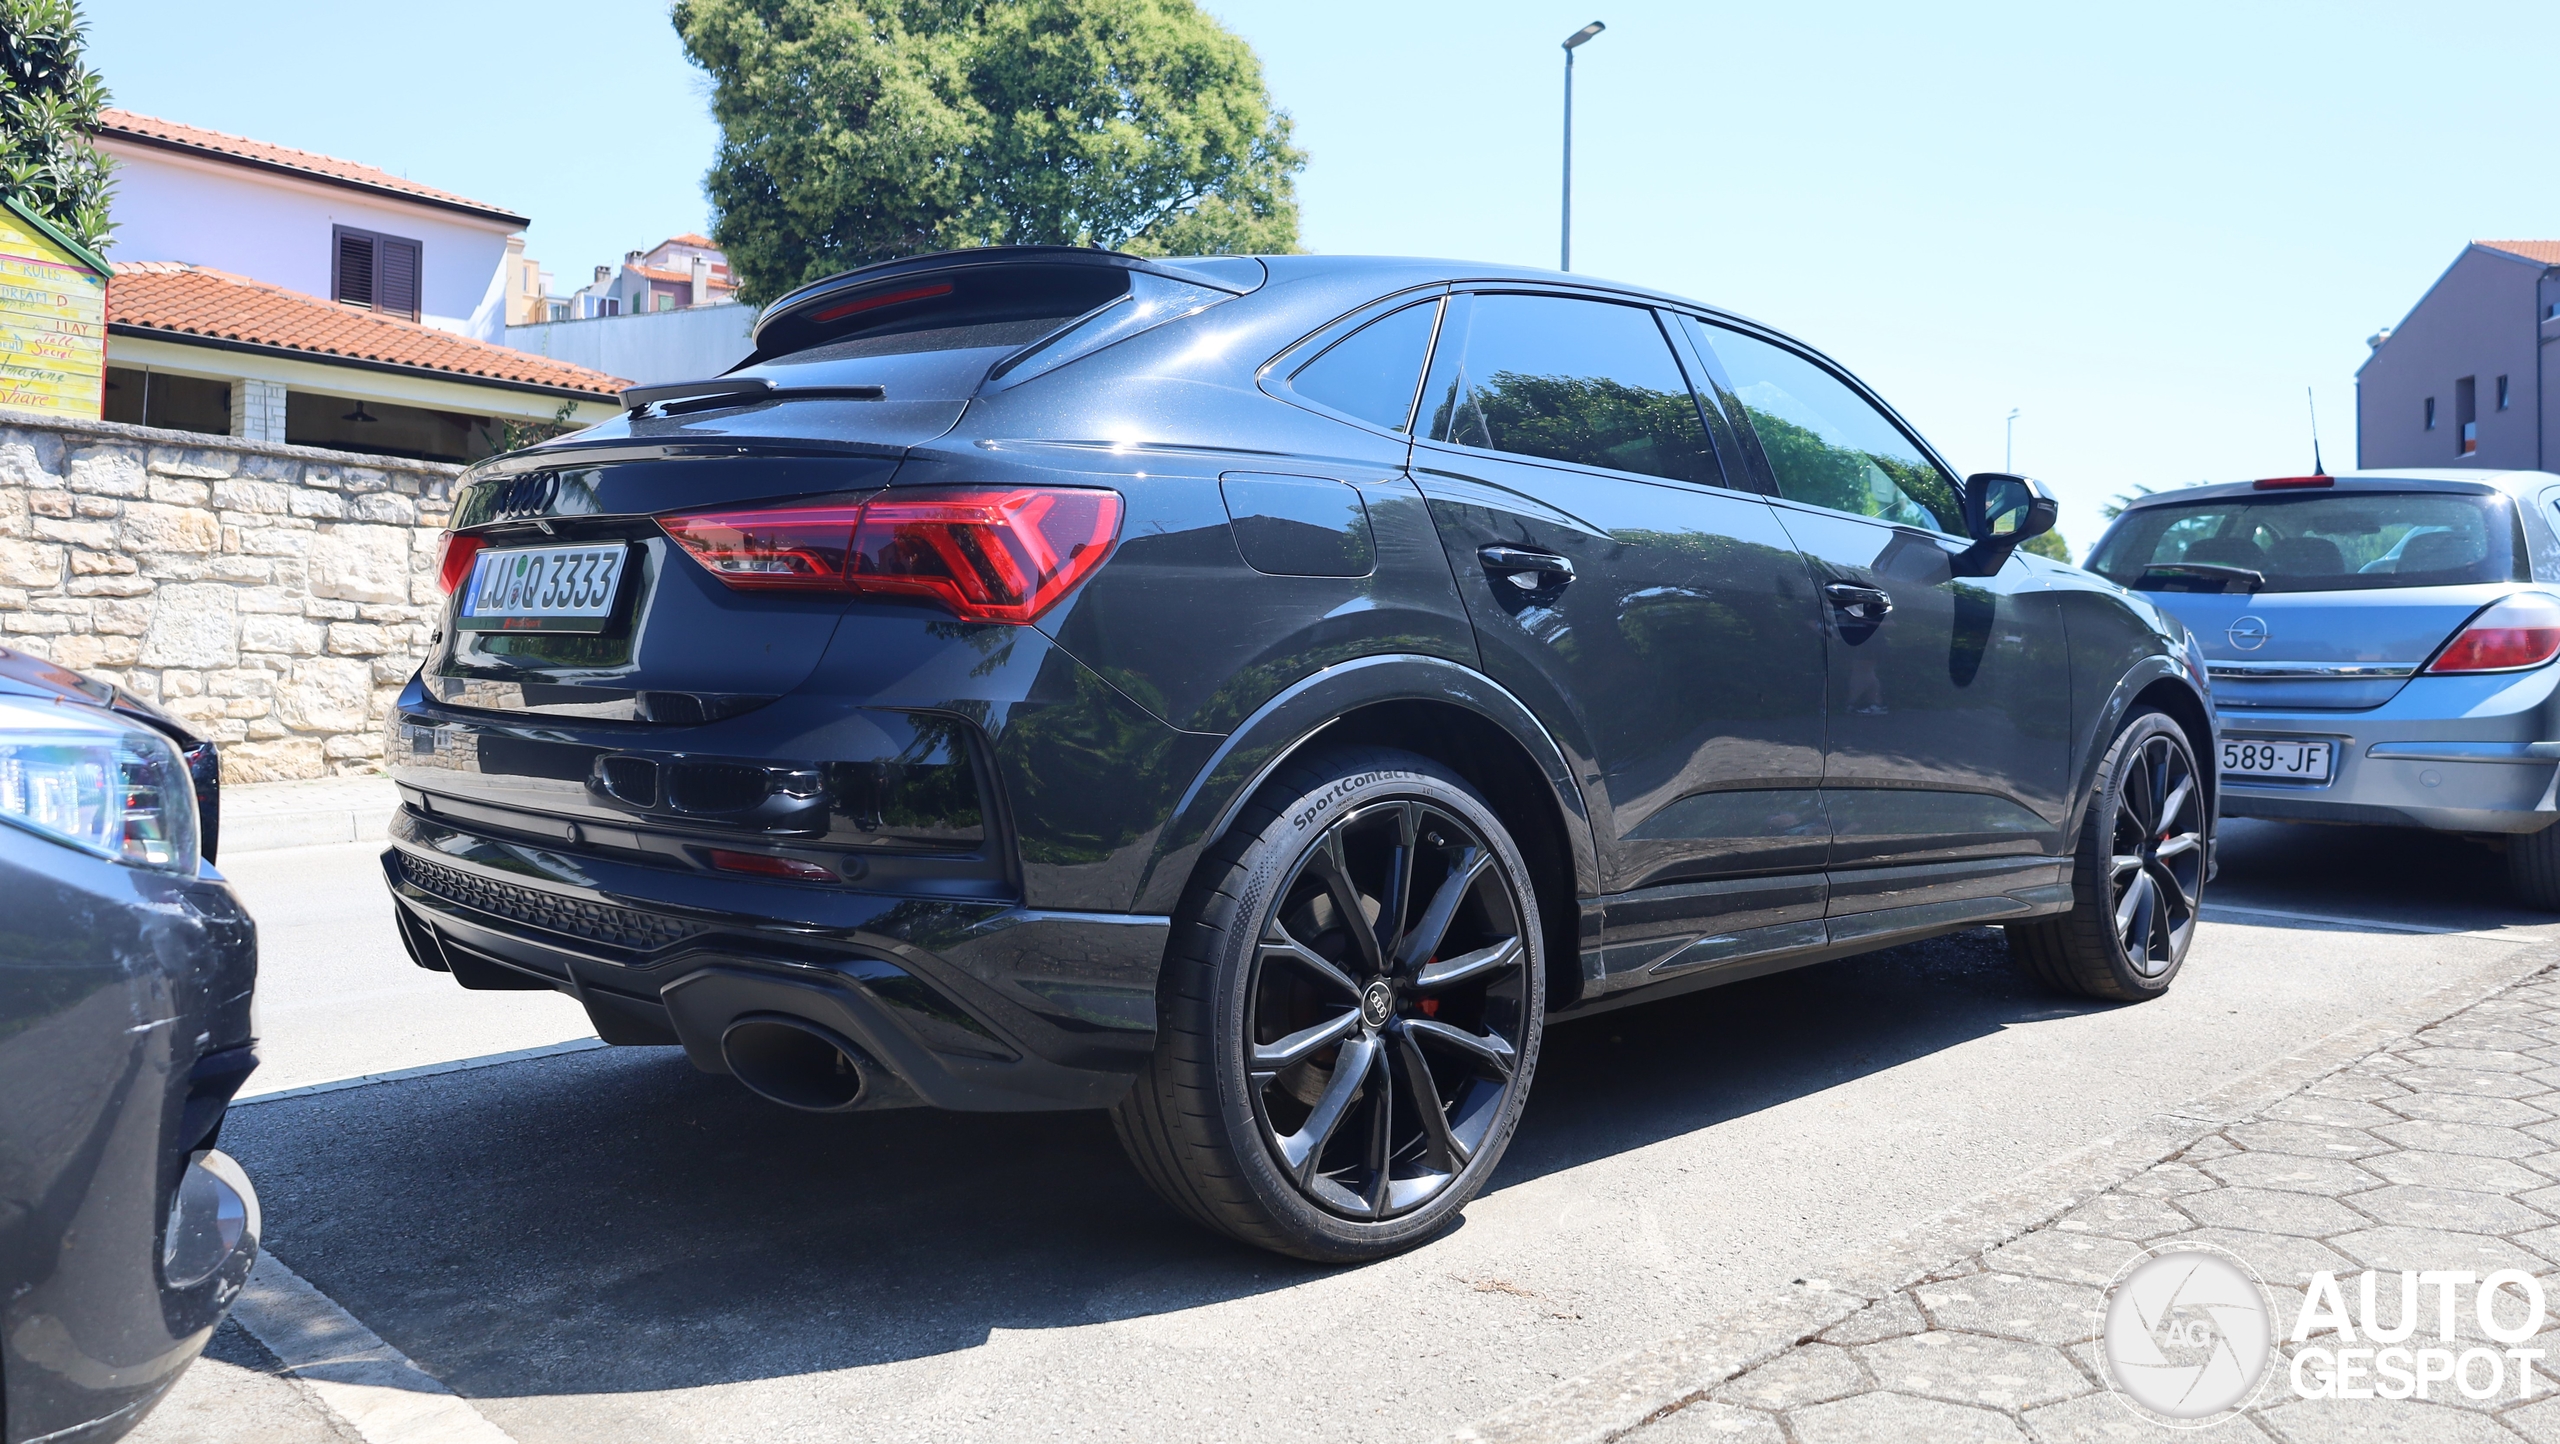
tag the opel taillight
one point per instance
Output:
(453, 560)
(2519, 632)
(987, 554)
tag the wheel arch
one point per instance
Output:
(1436, 709)
(2153, 684)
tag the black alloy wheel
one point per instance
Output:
(2138, 873)
(1352, 1003)
(2156, 868)
(1386, 1009)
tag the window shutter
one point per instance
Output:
(396, 287)
(355, 268)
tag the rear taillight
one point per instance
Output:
(2281, 483)
(988, 554)
(453, 562)
(2522, 631)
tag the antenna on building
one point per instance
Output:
(2312, 401)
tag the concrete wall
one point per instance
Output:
(275, 228)
(648, 349)
(275, 597)
(2478, 320)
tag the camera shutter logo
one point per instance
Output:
(2186, 1334)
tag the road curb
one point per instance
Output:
(318, 812)
(1638, 1387)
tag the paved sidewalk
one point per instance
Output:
(2438, 1152)
(258, 816)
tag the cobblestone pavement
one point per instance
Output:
(2439, 1152)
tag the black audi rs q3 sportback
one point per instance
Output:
(1254, 696)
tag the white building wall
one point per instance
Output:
(276, 229)
(649, 349)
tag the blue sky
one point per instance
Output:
(2146, 229)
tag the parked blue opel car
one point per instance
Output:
(2382, 647)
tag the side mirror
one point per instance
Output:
(2000, 512)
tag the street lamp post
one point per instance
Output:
(2009, 448)
(1572, 42)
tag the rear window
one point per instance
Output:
(940, 333)
(2324, 542)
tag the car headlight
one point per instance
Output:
(92, 780)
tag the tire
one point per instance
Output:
(2533, 869)
(2137, 877)
(1261, 1113)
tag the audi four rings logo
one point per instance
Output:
(2248, 633)
(524, 496)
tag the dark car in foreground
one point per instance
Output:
(126, 967)
(1255, 696)
(2384, 647)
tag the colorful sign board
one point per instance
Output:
(53, 319)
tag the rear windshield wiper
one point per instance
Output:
(2214, 571)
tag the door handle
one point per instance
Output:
(1857, 603)
(1526, 569)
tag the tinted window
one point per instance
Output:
(2321, 542)
(1372, 372)
(1826, 444)
(1579, 381)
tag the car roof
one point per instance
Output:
(1419, 269)
(2400, 478)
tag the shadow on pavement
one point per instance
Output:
(615, 1221)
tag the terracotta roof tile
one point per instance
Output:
(199, 301)
(2547, 252)
(689, 239)
(719, 276)
(125, 124)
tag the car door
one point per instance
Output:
(1949, 735)
(1658, 620)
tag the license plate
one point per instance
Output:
(543, 589)
(2276, 759)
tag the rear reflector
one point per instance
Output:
(2279, 483)
(453, 560)
(761, 864)
(2522, 631)
(987, 554)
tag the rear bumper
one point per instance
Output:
(962, 1004)
(2451, 754)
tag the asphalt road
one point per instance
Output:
(607, 1244)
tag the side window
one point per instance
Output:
(1373, 372)
(1827, 445)
(1561, 379)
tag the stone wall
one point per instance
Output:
(274, 597)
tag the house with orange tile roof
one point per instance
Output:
(2468, 378)
(284, 295)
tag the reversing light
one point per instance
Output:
(2509, 636)
(762, 864)
(987, 554)
(2280, 483)
(453, 560)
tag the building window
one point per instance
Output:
(377, 272)
(2431, 413)
(2466, 415)
(2503, 397)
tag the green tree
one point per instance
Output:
(2048, 544)
(855, 131)
(49, 104)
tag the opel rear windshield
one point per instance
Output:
(2325, 541)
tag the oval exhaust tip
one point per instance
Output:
(794, 1063)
